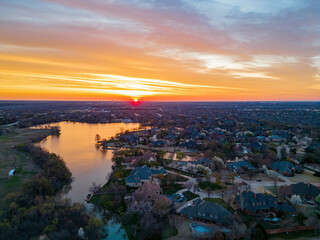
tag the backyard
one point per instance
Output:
(209, 185)
(304, 177)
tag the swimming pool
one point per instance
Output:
(202, 229)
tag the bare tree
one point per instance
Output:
(94, 187)
(209, 191)
(195, 187)
(189, 184)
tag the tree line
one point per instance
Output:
(38, 210)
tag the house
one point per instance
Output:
(258, 146)
(143, 174)
(190, 144)
(206, 162)
(205, 211)
(149, 197)
(253, 203)
(286, 168)
(150, 191)
(276, 138)
(304, 190)
(160, 143)
(130, 139)
(134, 161)
(239, 166)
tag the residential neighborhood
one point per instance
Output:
(219, 173)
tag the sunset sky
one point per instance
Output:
(168, 50)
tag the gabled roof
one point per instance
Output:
(240, 164)
(284, 166)
(205, 161)
(207, 210)
(144, 173)
(258, 201)
(140, 173)
(305, 189)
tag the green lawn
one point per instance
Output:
(181, 172)
(171, 189)
(11, 158)
(190, 195)
(178, 178)
(212, 186)
(169, 231)
(221, 202)
(293, 235)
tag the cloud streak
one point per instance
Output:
(162, 49)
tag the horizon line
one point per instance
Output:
(164, 101)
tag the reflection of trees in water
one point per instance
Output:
(110, 220)
(67, 188)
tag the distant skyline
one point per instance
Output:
(167, 50)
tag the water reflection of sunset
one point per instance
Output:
(76, 145)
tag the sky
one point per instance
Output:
(160, 50)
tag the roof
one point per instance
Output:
(140, 173)
(284, 166)
(203, 161)
(147, 192)
(144, 173)
(11, 172)
(258, 201)
(305, 189)
(241, 164)
(207, 210)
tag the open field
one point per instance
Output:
(304, 177)
(10, 158)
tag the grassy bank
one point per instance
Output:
(11, 158)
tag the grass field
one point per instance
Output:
(304, 177)
(212, 186)
(10, 158)
(308, 234)
(169, 231)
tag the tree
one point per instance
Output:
(94, 187)
(195, 187)
(219, 235)
(97, 138)
(283, 153)
(161, 154)
(259, 233)
(189, 185)
(274, 175)
(233, 176)
(180, 155)
(209, 191)
(207, 171)
(317, 199)
(149, 226)
(295, 199)
(218, 162)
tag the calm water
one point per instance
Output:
(76, 145)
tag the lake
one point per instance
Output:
(76, 145)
